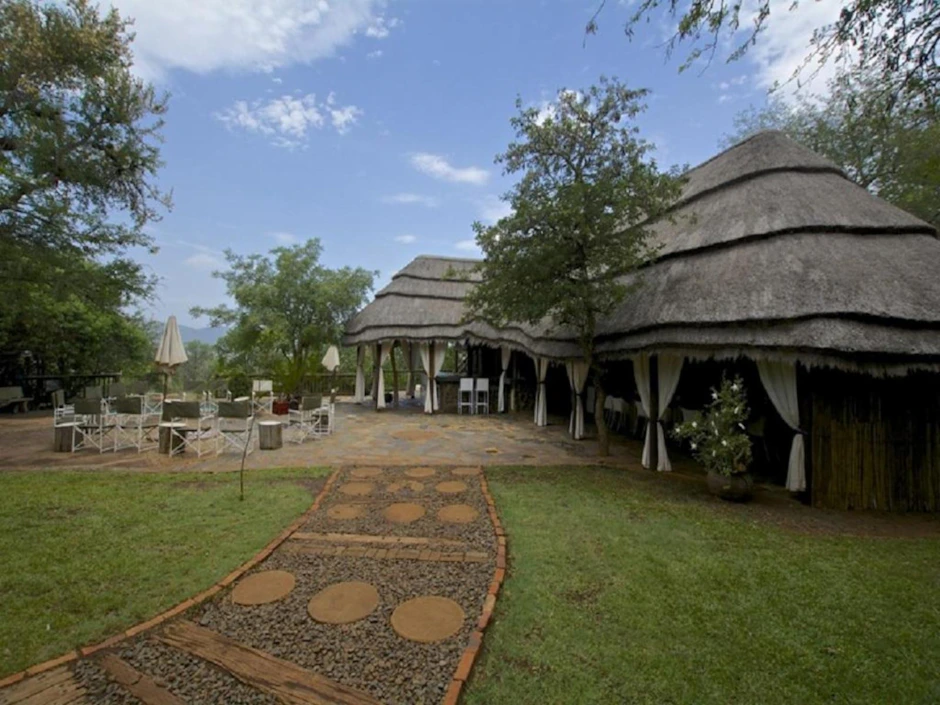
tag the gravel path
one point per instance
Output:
(368, 654)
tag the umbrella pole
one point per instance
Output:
(166, 381)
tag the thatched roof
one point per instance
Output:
(770, 250)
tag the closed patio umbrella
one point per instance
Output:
(331, 362)
(170, 352)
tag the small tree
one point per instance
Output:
(588, 187)
(720, 441)
(288, 307)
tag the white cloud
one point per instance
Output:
(288, 120)
(785, 43)
(380, 28)
(724, 98)
(254, 35)
(377, 54)
(438, 167)
(492, 209)
(468, 246)
(411, 199)
(283, 238)
(406, 239)
(203, 261)
(277, 80)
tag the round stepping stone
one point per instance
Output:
(457, 514)
(261, 588)
(365, 473)
(343, 603)
(465, 472)
(427, 619)
(357, 489)
(451, 487)
(420, 472)
(403, 512)
(403, 485)
(346, 511)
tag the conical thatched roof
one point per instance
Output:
(770, 251)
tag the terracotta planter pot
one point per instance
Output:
(734, 488)
(280, 408)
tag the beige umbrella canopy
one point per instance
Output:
(170, 352)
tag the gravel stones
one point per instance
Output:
(427, 619)
(346, 511)
(457, 514)
(343, 603)
(357, 489)
(404, 486)
(261, 588)
(365, 473)
(403, 512)
(420, 472)
(451, 487)
(415, 435)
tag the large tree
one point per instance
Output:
(886, 142)
(899, 37)
(587, 188)
(288, 308)
(79, 152)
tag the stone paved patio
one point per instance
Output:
(404, 436)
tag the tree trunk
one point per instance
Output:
(270, 435)
(603, 438)
(394, 376)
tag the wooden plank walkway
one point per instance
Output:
(284, 680)
(55, 687)
(138, 684)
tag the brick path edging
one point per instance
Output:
(476, 638)
(85, 651)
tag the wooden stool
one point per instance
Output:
(167, 437)
(270, 435)
(64, 438)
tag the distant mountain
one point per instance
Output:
(203, 335)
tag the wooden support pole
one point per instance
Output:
(394, 376)
(376, 371)
(654, 413)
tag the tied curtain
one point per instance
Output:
(380, 393)
(360, 375)
(670, 366)
(541, 406)
(577, 376)
(779, 379)
(431, 390)
(505, 353)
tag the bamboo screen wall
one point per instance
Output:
(875, 443)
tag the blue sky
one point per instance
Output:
(373, 125)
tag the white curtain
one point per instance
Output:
(383, 356)
(670, 366)
(425, 350)
(505, 353)
(779, 379)
(541, 405)
(360, 375)
(440, 349)
(577, 376)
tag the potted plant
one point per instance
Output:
(720, 443)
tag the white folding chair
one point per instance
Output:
(305, 421)
(94, 426)
(481, 395)
(191, 426)
(262, 394)
(62, 413)
(134, 427)
(327, 415)
(466, 388)
(234, 424)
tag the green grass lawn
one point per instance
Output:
(621, 590)
(86, 554)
